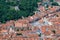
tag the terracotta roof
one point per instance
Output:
(17, 24)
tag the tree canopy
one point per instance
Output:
(8, 12)
(55, 4)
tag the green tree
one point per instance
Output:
(51, 0)
(55, 4)
(26, 9)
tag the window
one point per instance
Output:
(54, 31)
(18, 34)
(17, 29)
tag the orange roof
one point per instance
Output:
(43, 29)
(4, 31)
(17, 24)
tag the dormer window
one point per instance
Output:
(17, 29)
(19, 34)
(54, 31)
(22, 28)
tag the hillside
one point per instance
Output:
(15, 9)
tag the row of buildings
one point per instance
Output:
(43, 25)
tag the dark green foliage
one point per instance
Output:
(51, 0)
(55, 4)
(26, 8)
(40, 35)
